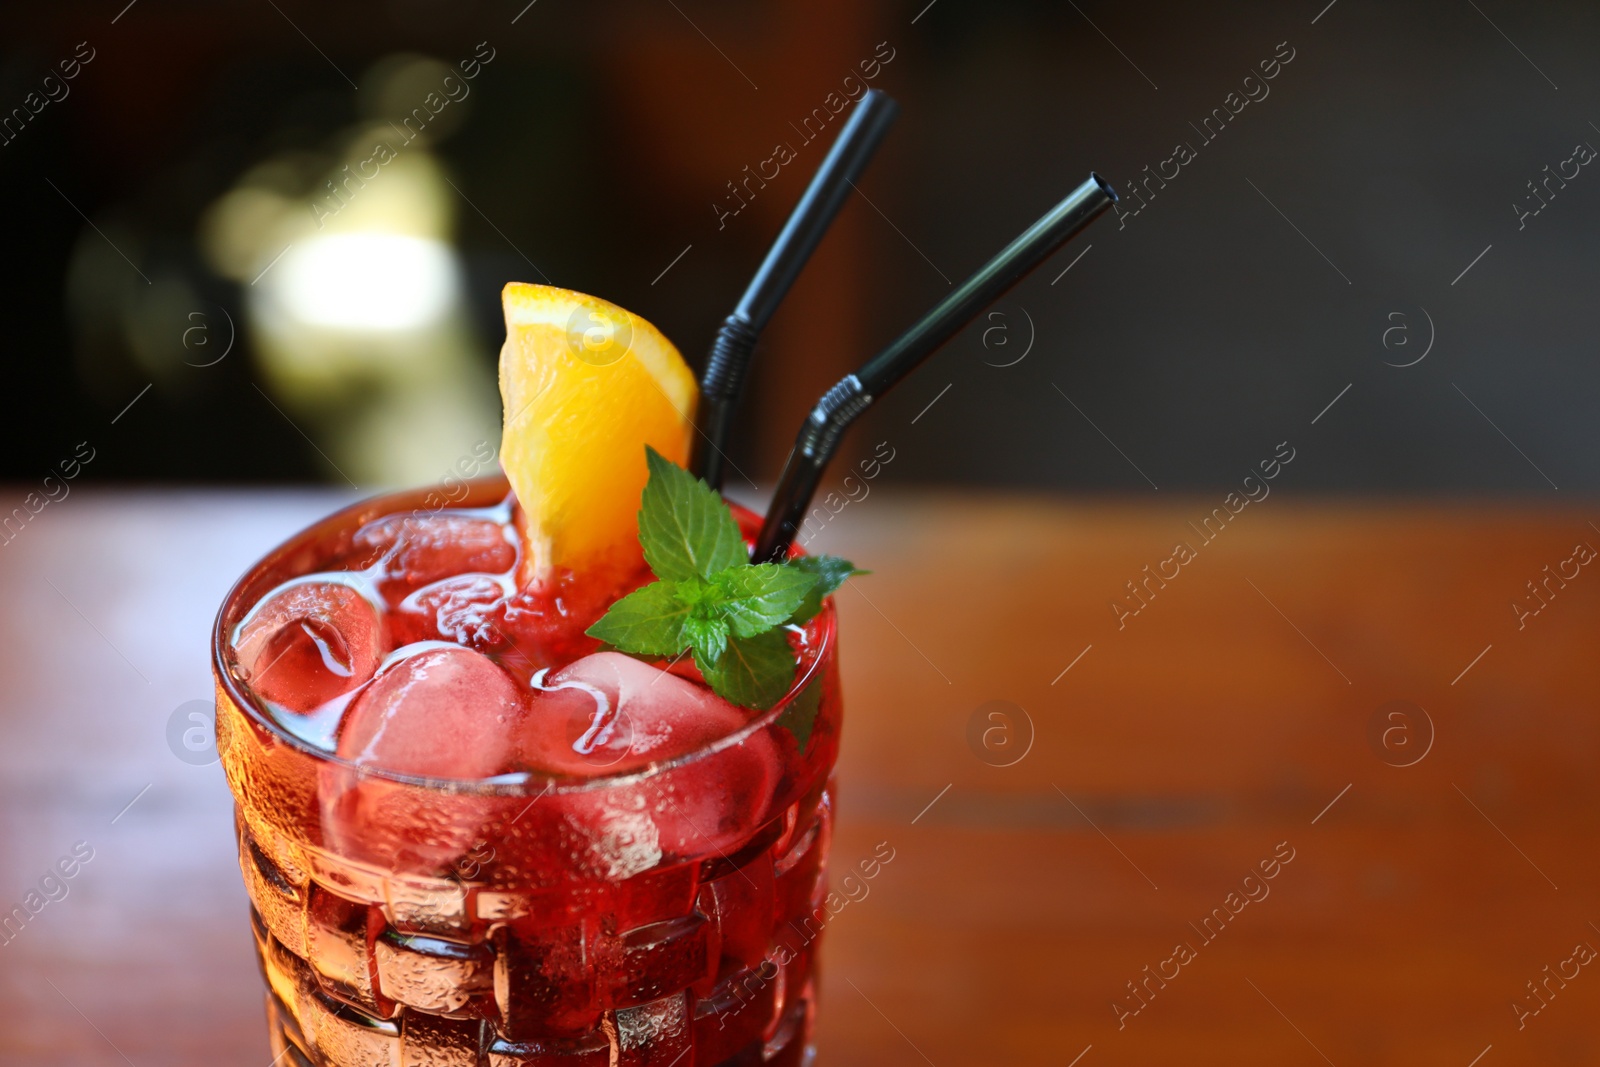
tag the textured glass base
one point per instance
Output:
(706, 964)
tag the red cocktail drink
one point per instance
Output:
(471, 835)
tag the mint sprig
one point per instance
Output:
(709, 598)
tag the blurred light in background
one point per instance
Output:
(353, 289)
(367, 281)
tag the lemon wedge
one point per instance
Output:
(586, 386)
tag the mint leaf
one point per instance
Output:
(757, 597)
(801, 714)
(707, 636)
(648, 621)
(830, 573)
(753, 672)
(684, 527)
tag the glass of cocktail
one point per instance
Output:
(470, 831)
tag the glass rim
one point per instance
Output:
(537, 784)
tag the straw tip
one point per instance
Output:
(1105, 186)
(876, 100)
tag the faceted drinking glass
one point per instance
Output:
(665, 916)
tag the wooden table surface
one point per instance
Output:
(1229, 721)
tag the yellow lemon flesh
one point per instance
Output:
(586, 386)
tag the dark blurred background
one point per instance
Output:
(1373, 225)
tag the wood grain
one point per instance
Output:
(1174, 756)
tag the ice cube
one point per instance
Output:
(442, 711)
(463, 609)
(609, 713)
(712, 806)
(416, 549)
(706, 808)
(309, 642)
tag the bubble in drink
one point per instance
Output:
(308, 643)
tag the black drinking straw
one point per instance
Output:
(839, 406)
(723, 379)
